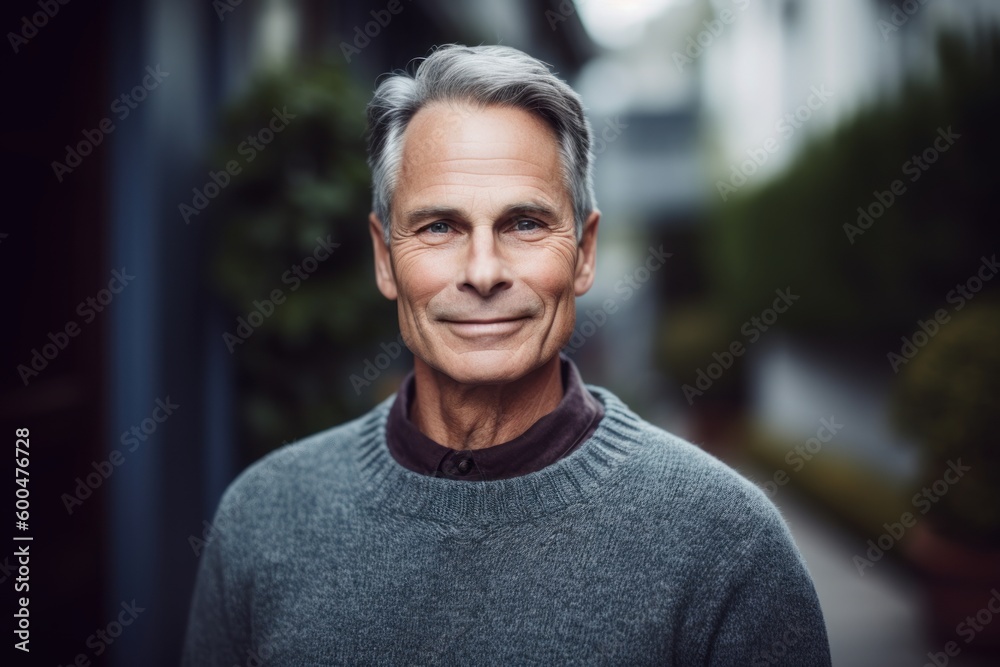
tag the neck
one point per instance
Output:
(463, 416)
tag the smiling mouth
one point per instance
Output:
(491, 320)
(486, 327)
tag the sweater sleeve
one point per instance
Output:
(215, 634)
(764, 609)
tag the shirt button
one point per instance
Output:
(464, 466)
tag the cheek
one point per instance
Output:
(552, 275)
(419, 277)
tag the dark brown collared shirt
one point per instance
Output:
(549, 439)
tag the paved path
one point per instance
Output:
(874, 620)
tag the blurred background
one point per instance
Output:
(796, 272)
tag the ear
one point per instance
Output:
(384, 277)
(586, 254)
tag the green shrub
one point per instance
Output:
(310, 182)
(948, 398)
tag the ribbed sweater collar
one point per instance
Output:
(550, 438)
(392, 489)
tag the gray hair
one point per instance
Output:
(482, 75)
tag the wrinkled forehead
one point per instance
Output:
(459, 150)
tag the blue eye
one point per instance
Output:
(526, 225)
(438, 227)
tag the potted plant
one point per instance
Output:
(948, 399)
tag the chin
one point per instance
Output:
(486, 366)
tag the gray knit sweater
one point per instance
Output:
(636, 549)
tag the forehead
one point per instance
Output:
(462, 154)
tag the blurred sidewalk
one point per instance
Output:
(872, 621)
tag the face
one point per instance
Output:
(483, 262)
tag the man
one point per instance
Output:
(496, 510)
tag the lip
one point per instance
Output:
(486, 327)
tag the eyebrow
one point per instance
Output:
(521, 208)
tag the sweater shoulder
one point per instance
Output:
(290, 471)
(677, 479)
(700, 477)
(708, 487)
(704, 509)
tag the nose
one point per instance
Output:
(485, 269)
